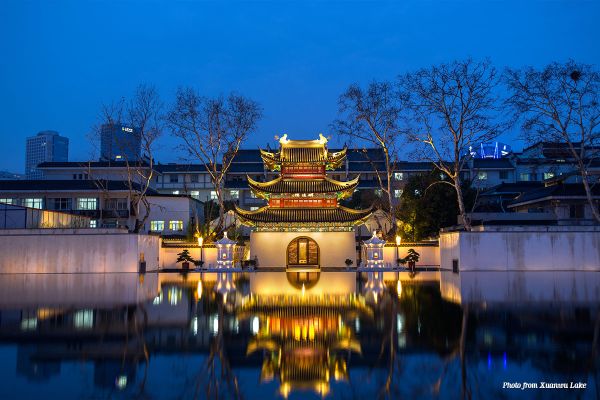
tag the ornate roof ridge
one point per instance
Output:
(333, 215)
(281, 185)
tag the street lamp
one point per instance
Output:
(200, 243)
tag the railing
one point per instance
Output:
(14, 217)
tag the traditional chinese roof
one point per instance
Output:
(302, 152)
(283, 186)
(338, 215)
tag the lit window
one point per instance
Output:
(482, 175)
(7, 201)
(83, 319)
(442, 176)
(121, 382)
(235, 194)
(213, 195)
(253, 208)
(87, 203)
(548, 175)
(33, 203)
(417, 192)
(176, 225)
(398, 193)
(399, 176)
(195, 194)
(157, 226)
(93, 223)
(29, 324)
(175, 191)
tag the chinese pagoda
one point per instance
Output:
(303, 199)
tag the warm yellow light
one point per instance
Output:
(399, 288)
(398, 240)
(199, 290)
(200, 241)
(303, 290)
(285, 389)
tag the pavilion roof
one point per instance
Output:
(303, 152)
(282, 185)
(306, 215)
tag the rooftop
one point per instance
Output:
(303, 215)
(280, 185)
(562, 191)
(41, 185)
(79, 165)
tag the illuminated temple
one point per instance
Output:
(303, 215)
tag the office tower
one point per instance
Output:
(45, 146)
(119, 142)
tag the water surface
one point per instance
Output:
(269, 335)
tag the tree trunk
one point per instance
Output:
(221, 208)
(461, 203)
(392, 208)
(588, 193)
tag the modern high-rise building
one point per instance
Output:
(45, 146)
(119, 142)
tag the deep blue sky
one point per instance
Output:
(60, 60)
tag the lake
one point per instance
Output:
(263, 335)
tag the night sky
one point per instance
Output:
(60, 60)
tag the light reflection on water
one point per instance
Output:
(272, 335)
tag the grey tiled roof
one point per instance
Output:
(44, 185)
(562, 191)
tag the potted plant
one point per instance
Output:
(348, 262)
(412, 258)
(185, 259)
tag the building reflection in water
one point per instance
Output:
(306, 340)
(302, 333)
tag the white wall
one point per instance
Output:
(334, 247)
(429, 255)
(521, 264)
(557, 248)
(75, 251)
(168, 256)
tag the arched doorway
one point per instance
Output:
(303, 252)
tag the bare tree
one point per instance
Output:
(371, 116)
(560, 103)
(451, 106)
(142, 114)
(212, 130)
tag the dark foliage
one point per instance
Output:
(428, 203)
